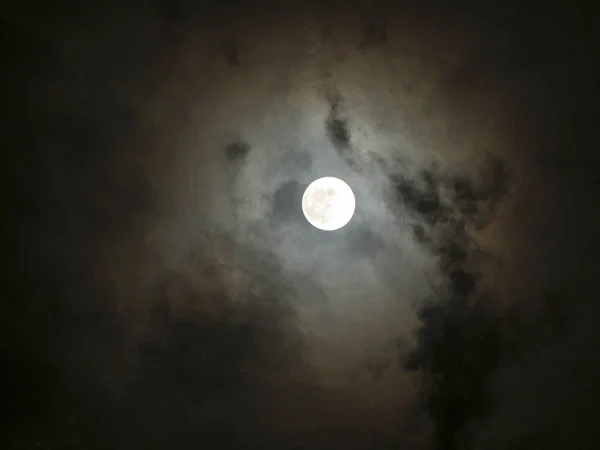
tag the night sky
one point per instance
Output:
(162, 290)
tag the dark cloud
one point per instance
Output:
(461, 339)
(287, 201)
(459, 348)
(237, 151)
(338, 131)
(337, 128)
(426, 203)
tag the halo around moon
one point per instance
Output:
(328, 203)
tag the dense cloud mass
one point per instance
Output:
(163, 289)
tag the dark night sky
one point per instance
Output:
(163, 291)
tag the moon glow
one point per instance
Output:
(328, 203)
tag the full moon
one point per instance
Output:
(328, 203)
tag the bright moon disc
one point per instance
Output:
(328, 203)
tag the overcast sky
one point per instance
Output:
(164, 290)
